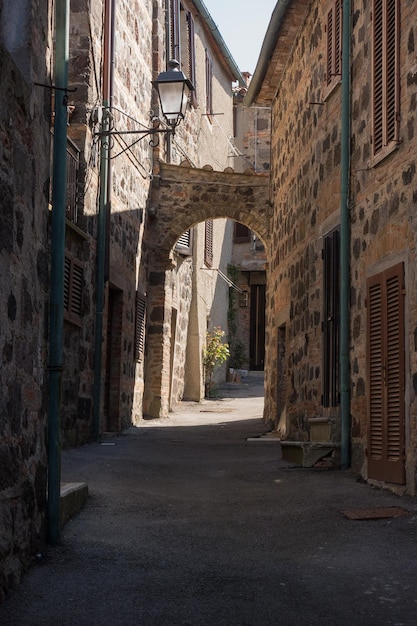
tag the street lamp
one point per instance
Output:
(173, 89)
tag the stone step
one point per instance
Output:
(308, 453)
(73, 498)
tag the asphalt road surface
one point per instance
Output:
(189, 523)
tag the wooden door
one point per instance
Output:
(386, 407)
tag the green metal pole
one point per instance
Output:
(345, 245)
(56, 321)
(100, 272)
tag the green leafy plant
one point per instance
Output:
(238, 356)
(215, 353)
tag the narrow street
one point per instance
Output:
(189, 523)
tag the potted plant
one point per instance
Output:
(215, 353)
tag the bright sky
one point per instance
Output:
(243, 25)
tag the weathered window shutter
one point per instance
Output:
(209, 84)
(73, 289)
(140, 327)
(184, 243)
(175, 33)
(386, 376)
(334, 42)
(208, 244)
(242, 233)
(385, 68)
(191, 57)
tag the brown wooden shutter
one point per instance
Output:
(329, 68)
(385, 73)
(378, 84)
(208, 244)
(338, 38)
(209, 84)
(386, 376)
(175, 33)
(191, 57)
(242, 233)
(140, 327)
(73, 289)
(391, 65)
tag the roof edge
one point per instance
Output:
(231, 63)
(267, 51)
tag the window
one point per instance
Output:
(184, 243)
(208, 244)
(209, 85)
(181, 42)
(334, 44)
(242, 233)
(73, 289)
(385, 75)
(140, 327)
(72, 180)
(330, 325)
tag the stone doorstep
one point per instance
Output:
(271, 437)
(73, 498)
(308, 453)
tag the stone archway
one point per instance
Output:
(182, 197)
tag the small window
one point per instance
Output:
(242, 233)
(73, 289)
(182, 42)
(140, 327)
(209, 85)
(72, 181)
(208, 244)
(334, 44)
(184, 243)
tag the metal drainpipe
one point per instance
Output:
(56, 305)
(102, 223)
(345, 244)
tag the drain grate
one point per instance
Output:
(383, 513)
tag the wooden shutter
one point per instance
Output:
(191, 57)
(385, 73)
(386, 376)
(208, 244)
(209, 85)
(329, 67)
(73, 289)
(140, 327)
(184, 243)
(175, 33)
(242, 233)
(334, 42)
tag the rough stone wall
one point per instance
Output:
(383, 220)
(306, 149)
(305, 179)
(24, 283)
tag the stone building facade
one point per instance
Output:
(304, 84)
(24, 282)
(158, 301)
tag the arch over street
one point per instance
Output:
(182, 197)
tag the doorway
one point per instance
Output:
(111, 407)
(257, 328)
